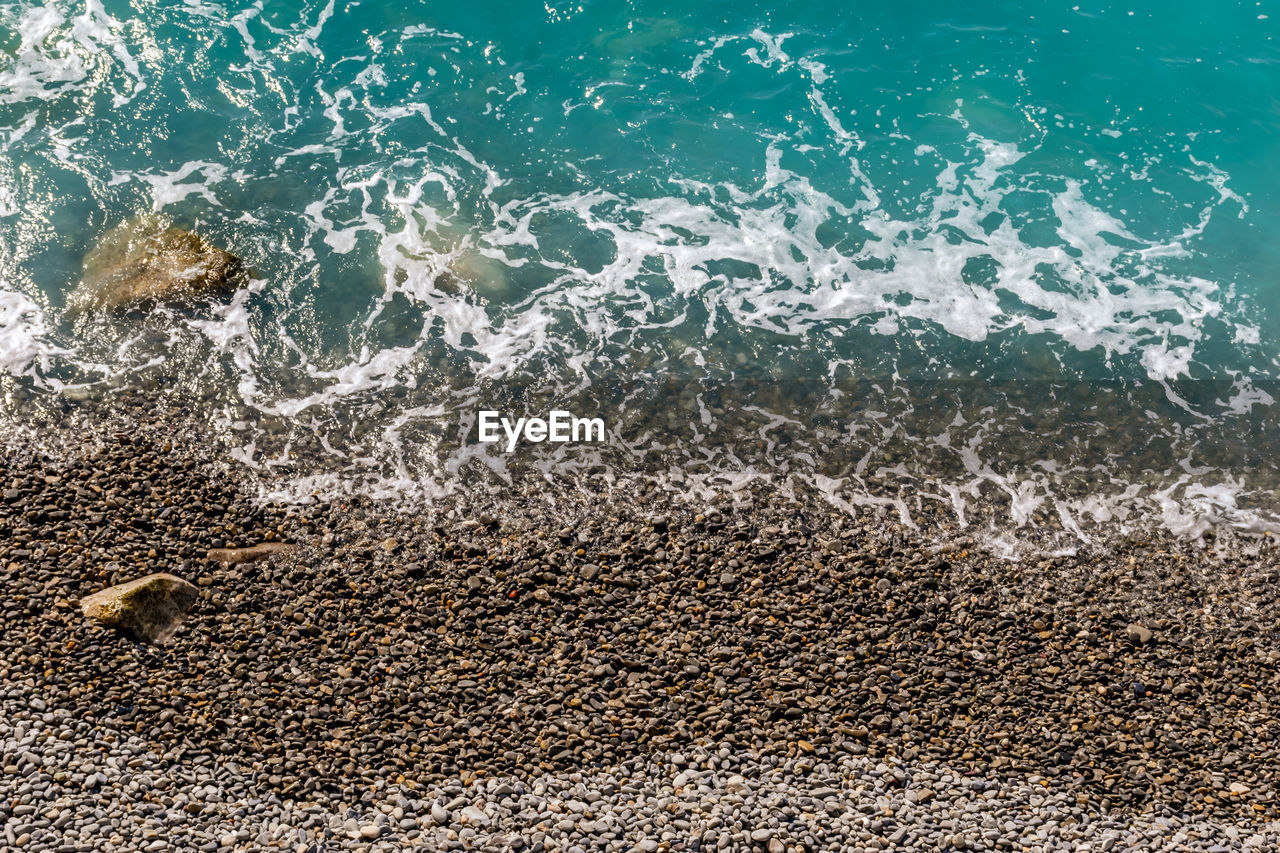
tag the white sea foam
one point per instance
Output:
(772, 47)
(58, 50)
(241, 25)
(170, 187)
(96, 29)
(471, 251)
(1097, 302)
(8, 194)
(45, 60)
(24, 348)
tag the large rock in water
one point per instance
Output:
(148, 609)
(146, 261)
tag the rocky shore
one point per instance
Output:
(604, 665)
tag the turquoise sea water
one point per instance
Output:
(1024, 250)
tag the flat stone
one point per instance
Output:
(1139, 635)
(473, 816)
(250, 554)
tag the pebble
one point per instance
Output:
(1139, 635)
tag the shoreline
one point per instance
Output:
(558, 633)
(1004, 512)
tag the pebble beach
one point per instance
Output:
(764, 427)
(605, 665)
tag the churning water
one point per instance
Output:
(1022, 252)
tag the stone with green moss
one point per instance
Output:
(148, 609)
(146, 261)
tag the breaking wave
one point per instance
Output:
(943, 294)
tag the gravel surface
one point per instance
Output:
(565, 646)
(70, 785)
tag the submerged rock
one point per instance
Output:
(148, 609)
(147, 261)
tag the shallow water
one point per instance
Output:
(1013, 252)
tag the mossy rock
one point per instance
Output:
(148, 609)
(147, 261)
